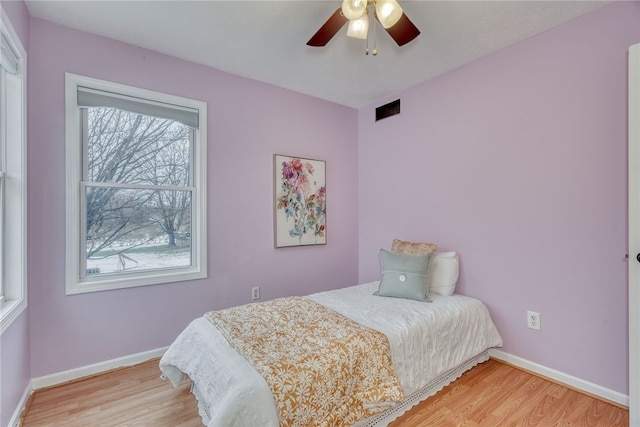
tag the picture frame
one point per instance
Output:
(299, 201)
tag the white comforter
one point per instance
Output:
(426, 339)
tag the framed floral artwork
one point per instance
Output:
(300, 201)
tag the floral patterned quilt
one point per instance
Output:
(323, 368)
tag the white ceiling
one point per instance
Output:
(266, 40)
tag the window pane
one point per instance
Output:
(132, 148)
(3, 132)
(131, 230)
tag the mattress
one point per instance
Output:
(427, 340)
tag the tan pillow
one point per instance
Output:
(412, 248)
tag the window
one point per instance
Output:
(136, 186)
(13, 176)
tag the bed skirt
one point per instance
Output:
(390, 415)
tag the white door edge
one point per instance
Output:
(634, 235)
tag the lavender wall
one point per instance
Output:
(15, 367)
(518, 162)
(247, 123)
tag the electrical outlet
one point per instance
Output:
(255, 293)
(533, 320)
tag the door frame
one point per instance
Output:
(634, 235)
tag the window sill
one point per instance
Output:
(10, 310)
(74, 286)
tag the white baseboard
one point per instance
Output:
(74, 374)
(85, 371)
(15, 419)
(561, 377)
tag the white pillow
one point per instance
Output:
(443, 273)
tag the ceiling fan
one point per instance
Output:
(387, 12)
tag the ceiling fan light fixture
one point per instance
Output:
(354, 9)
(388, 12)
(359, 28)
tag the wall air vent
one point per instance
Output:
(388, 110)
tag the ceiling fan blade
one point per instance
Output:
(403, 31)
(328, 29)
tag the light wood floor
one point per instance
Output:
(491, 394)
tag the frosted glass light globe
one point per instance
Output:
(388, 12)
(354, 9)
(359, 28)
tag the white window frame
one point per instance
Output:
(13, 143)
(75, 282)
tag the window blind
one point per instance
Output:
(96, 98)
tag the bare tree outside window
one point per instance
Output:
(137, 191)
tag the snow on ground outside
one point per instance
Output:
(140, 261)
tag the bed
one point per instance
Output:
(430, 343)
